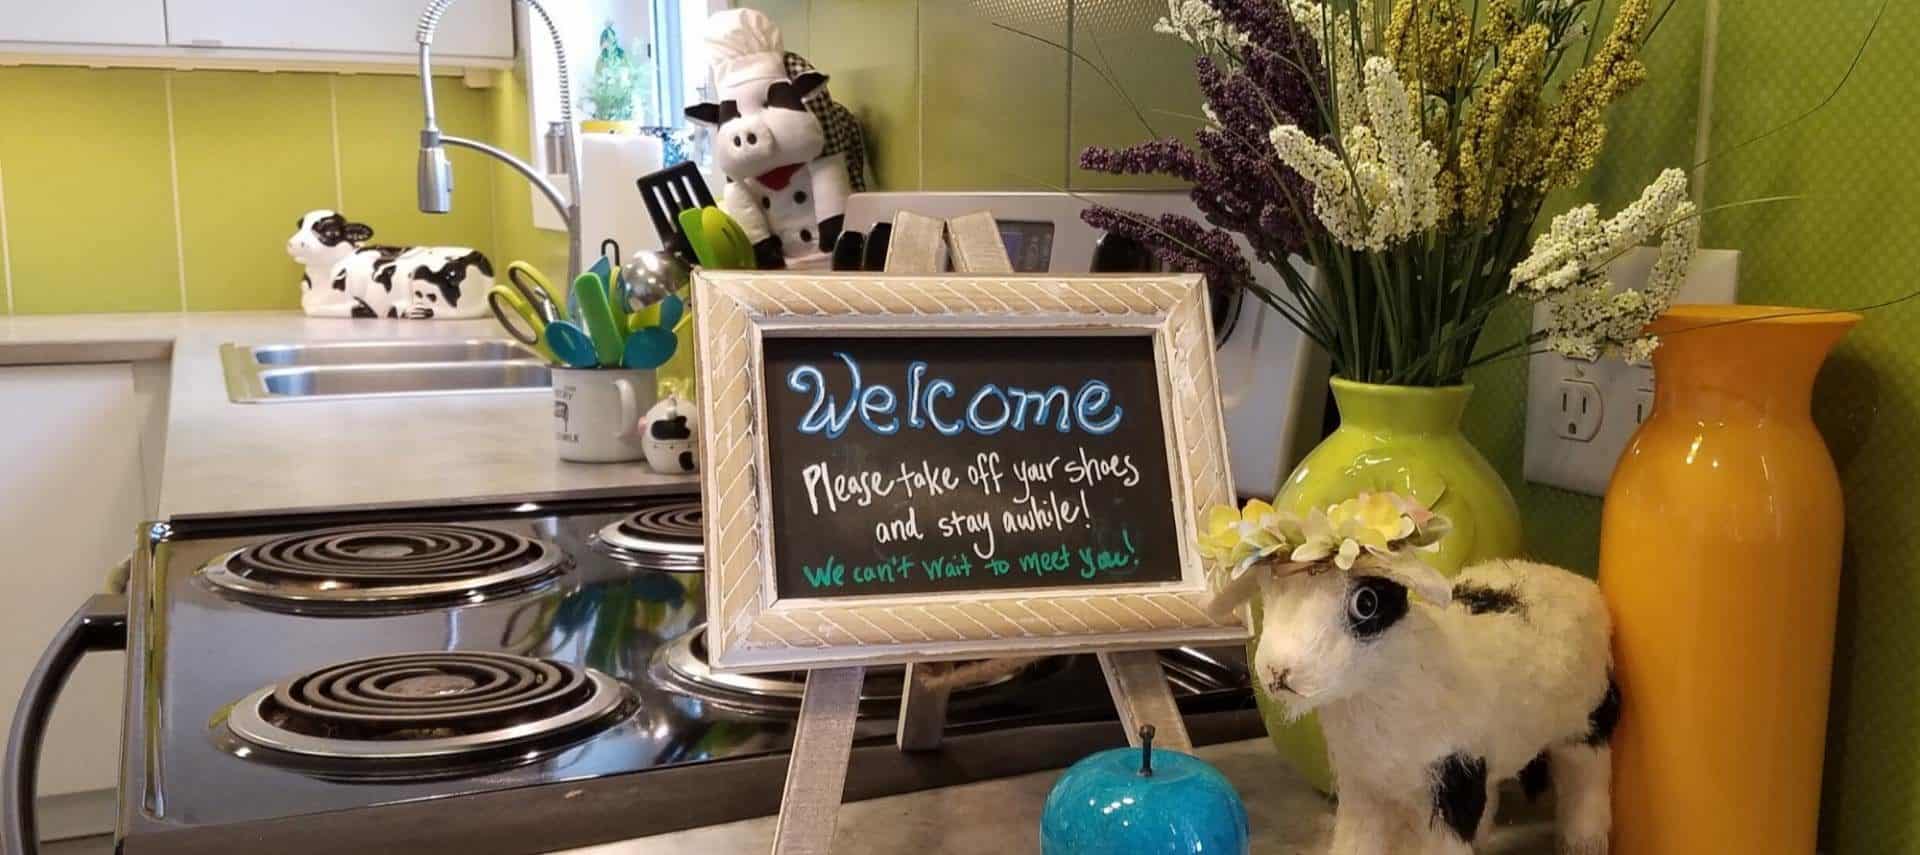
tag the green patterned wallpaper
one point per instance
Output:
(1850, 242)
(1651, 130)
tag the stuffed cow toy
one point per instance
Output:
(1430, 691)
(345, 277)
(791, 155)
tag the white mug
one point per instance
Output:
(596, 413)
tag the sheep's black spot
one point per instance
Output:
(1605, 717)
(686, 461)
(806, 236)
(670, 428)
(393, 311)
(1535, 777)
(1460, 793)
(384, 276)
(1481, 600)
(1374, 603)
(339, 281)
(362, 310)
(305, 283)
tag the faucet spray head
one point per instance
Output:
(436, 175)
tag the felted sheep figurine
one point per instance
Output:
(1429, 692)
(346, 277)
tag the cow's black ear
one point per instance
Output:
(357, 232)
(808, 81)
(781, 93)
(329, 228)
(705, 113)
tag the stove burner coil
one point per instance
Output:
(429, 706)
(665, 536)
(397, 565)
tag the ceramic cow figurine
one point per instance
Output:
(347, 277)
(791, 156)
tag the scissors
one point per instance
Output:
(526, 309)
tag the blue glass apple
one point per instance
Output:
(1133, 802)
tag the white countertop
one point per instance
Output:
(1003, 817)
(226, 458)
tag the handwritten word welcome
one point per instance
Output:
(988, 411)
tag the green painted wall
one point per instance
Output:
(154, 190)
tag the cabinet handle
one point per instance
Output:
(100, 624)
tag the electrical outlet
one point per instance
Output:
(1580, 410)
(1580, 414)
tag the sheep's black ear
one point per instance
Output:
(808, 81)
(358, 232)
(705, 113)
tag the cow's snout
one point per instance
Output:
(749, 138)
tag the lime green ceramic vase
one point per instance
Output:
(1405, 439)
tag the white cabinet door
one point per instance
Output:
(102, 22)
(71, 500)
(477, 28)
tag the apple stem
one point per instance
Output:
(1146, 751)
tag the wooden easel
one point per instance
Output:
(823, 737)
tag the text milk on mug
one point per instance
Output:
(596, 413)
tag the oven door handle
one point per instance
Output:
(99, 625)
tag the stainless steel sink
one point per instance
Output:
(334, 370)
(387, 352)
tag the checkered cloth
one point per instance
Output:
(842, 129)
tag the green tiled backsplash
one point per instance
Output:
(980, 94)
(152, 190)
(950, 100)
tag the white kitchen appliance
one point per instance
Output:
(1272, 378)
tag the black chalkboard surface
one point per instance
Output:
(938, 464)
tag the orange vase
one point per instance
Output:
(1720, 558)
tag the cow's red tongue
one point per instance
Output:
(778, 178)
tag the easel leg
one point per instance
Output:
(1141, 694)
(923, 708)
(817, 769)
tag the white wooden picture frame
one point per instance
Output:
(751, 628)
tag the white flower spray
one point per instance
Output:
(1586, 316)
(1381, 187)
(1198, 24)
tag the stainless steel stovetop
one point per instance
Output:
(511, 679)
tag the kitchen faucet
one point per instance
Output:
(436, 172)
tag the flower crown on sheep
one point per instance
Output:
(1379, 530)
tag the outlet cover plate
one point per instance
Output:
(1555, 458)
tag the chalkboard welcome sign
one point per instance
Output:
(905, 468)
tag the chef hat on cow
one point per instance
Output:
(745, 46)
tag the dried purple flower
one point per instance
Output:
(1180, 243)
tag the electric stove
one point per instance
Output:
(513, 678)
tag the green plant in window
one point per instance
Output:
(620, 81)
